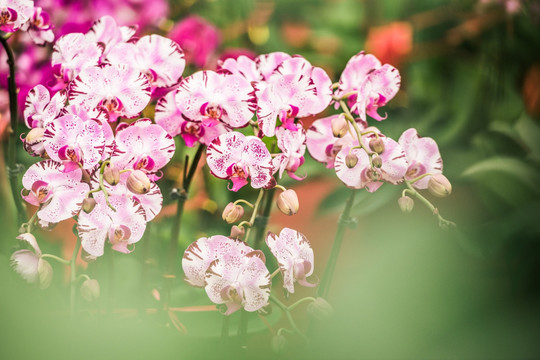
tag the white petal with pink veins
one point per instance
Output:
(143, 139)
(291, 248)
(160, 58)
(70, 130)
(120, 90)
(422, 155)
(66, 192)
(201, 253)
(40, 109)
(224, 151)
(74, 52)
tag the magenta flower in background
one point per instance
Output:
(14, 13)
(122, 227)
(237, 157)
(294, 255)
(59, 194)
(198, 38)
(422, 155)
(372, 83)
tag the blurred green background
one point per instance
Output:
(404, 288)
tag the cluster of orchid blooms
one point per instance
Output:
(101, 160)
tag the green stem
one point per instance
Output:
(254, 214)
(54, 257)
(350, 118)
(12, 166)
(332, 260)
(287, 312)
(73, 290)
(244, 202)
(300, 302)
(442, 221)
(175, 232)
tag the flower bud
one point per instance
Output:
(111, 174)
(406, 204)
(439, 185)
(33, 143)
(320, 309)
(376, 162)
(287, 202)
(45, 273)
(339, 126)
(88, 205)
(376, 145)
(90, 290)
(232, 213)
(279, 343)
(351, 160)
(138, 182)
(237, 232)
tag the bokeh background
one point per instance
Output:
(403, 288)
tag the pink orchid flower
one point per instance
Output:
(201, 253)
(169, 117)
(39, 27)
(237, 157)
(71, 54)
(295, 89)
(371, 83)
(422, 155)
(143, 146)
(121, 227)
(211, 98)
(321, 143)
(14, 13)
(59, 194)
(159, 58)
(239, 281)
(30, 265)
(361, 175)
(40, 109)
(118, 90)
(293, 147)
(74, 142)
(294, 255)
(106, 31)
(151, 202)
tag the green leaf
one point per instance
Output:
(516, 169)
(529, 132)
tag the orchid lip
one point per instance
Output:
(42, 191)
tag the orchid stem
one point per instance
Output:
(332, 260)
(287, 312)
(59, 259)
(73, 269)
(442, 221)
(12, 166)
(175, 233)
